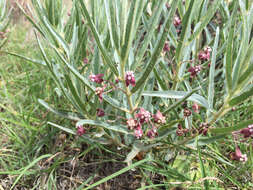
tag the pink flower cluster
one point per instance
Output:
(247, 132)
(80, 130)
(194, 70)
(181, 131)
(142, 117)
(129, 78)
(237, 155)
(177, 21)
(204, 55)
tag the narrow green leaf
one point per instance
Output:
(118, 128)
(179, 102)
(248, 66)
(34, 162)
(64, 114)
(229, 130)
(206, 19)
(40, 62)
(111, 21)
(151, 28)
(206, 140)
(178, 95)
(157, 50)
(185, 24)
(241, 98)
(98, 40)
(56, 36)
(229, 50)
(109, 100)
(211, 86)
(159, 80)
(202, 167)
(134, 15)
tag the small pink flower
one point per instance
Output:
(176, 21)
(187, 112)
(207, 49)
(179, 132)
(129, 78)
(205, 54)
(152, 133)
(143, 115)
(166, 47)
(159, 118)
(132, 123)
(138, 133)
(80, 130)
(237, 155)
(85, 61)
(195, 107)
(99, 92)
(247, 132)
(100, 112)
(97, 78)
(194, 70)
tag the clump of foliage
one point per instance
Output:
(4, 21)
(152, 77)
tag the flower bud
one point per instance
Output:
(97, 78)
(80, 130)
(100, 112)
(129, 78)
(159, 118)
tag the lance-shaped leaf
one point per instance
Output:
(117, 128)
(151, 28)
(64, 114)
(179, 102)
(211, 86)
(206, 19)
(111, 21)
(134, 16)
(109, 100)
(229, 51)
(95, 33)
(241, 98)
(229, 130)
(40, 62)
(157, 50)
(185, 24)
(178, 95)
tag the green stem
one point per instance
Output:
(127, 91)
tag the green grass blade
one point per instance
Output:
(28, 167)
(202, 167)
(118, 173)
(40, 62)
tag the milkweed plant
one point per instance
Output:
(147, 75)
